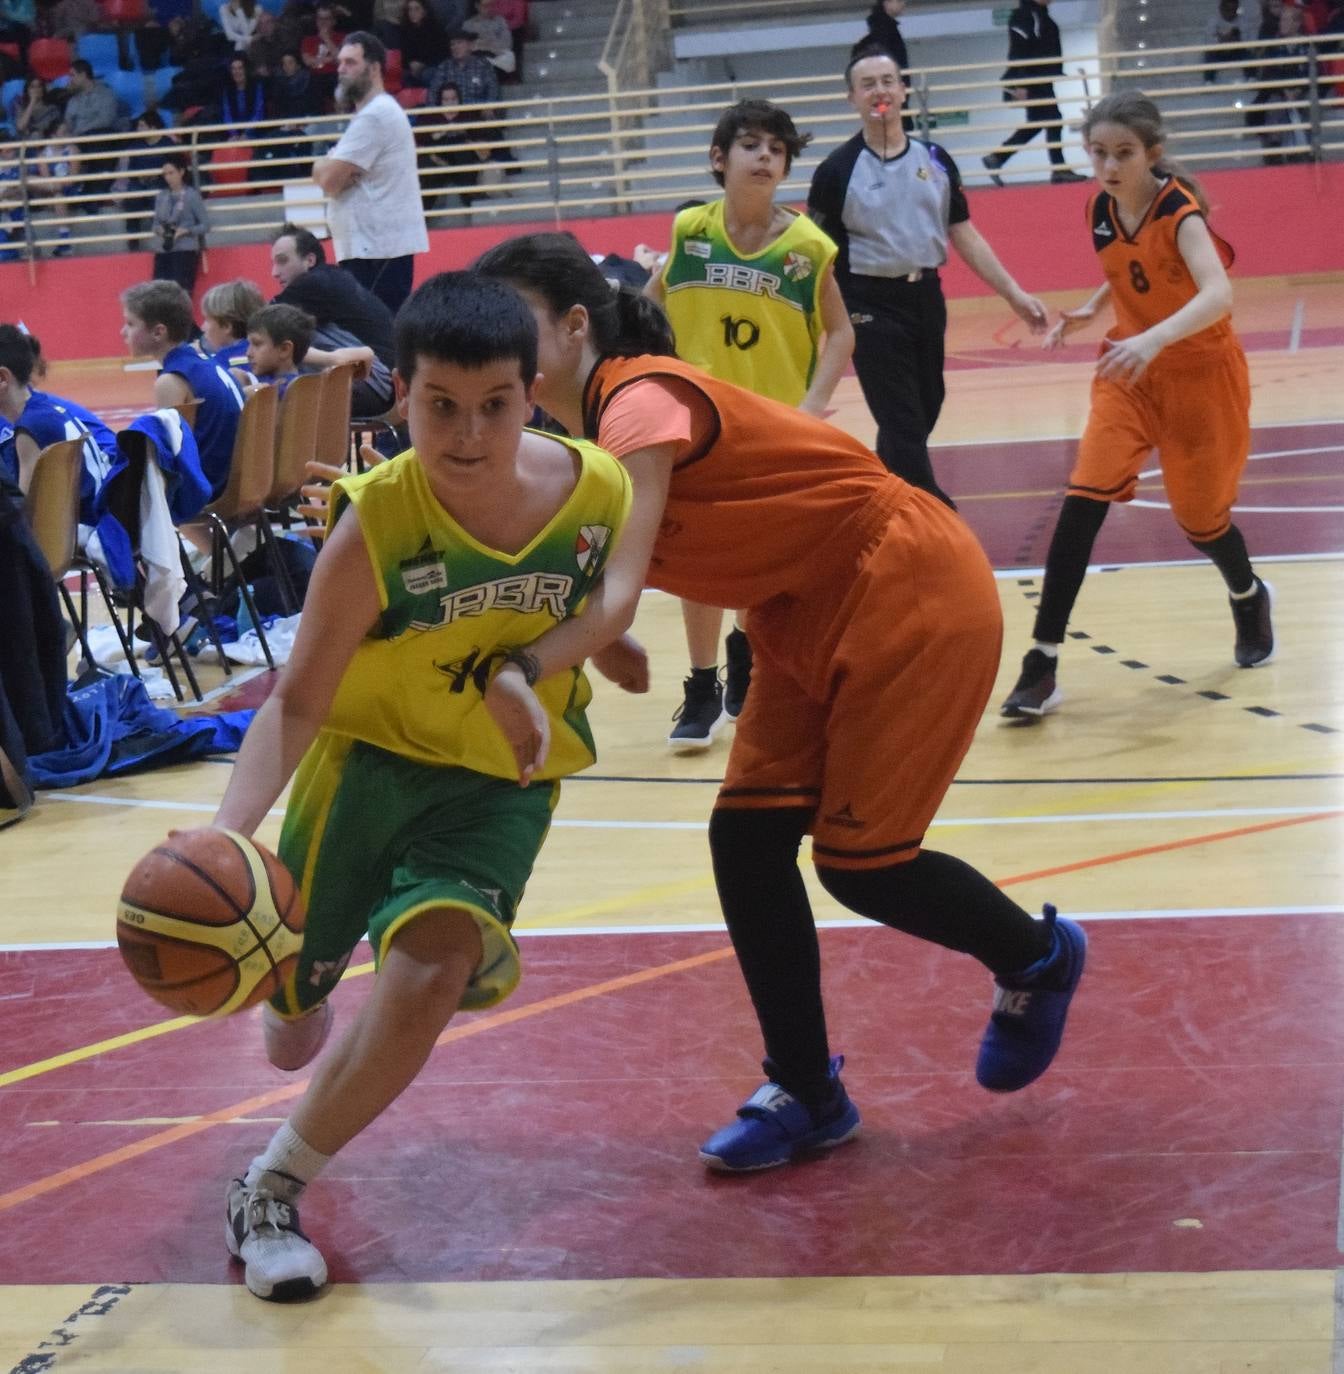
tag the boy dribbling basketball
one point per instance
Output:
(406, 818)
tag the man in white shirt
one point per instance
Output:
(374, 211)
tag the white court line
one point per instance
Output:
(1066, 818)
(1063, 438)
(1299, 319)
(825, 923)
(1007, 574)
(1149, 473)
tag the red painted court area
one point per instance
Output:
(1191, 1122)
(1292, 498)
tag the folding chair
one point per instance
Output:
(333, 426)
(296, 439)
(251, 474)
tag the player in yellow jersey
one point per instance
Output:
(406, 819)
(1171, 376)
(749, 286)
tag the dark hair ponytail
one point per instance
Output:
(555, 267)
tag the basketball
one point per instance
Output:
(209, 922)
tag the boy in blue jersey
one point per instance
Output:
(278, 339)
(158, 323)
(406, 820)
(34, 419)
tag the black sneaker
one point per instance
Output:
(991, 163)
(1035, 693)
(700, 713)
(1255, 626)
(738, 648)
(1066, 174)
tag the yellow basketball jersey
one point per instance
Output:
(751, 319)
(451, 607)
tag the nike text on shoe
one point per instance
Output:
(699, 715)
(1253, 617)
(738, 649)
(1030, 1008)
(773, 1127)
(280, 1262)
(292, 1042)
(1035, 693)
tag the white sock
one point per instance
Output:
(1249, 592)
(1049, 650)
(292, 1162)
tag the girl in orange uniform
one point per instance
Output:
(1171, 376)
(876, 628)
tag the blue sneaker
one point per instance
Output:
(1030, 1008)
(772, 1127)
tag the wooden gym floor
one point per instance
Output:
(1166, 1200)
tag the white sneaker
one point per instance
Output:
(280, 1262)
(292, 1042)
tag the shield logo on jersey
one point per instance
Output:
(797, 267)
(592, 539)
(699, 248)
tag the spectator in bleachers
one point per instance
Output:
(449, 13)
(238, 19)
(514, 14)
(491, 37)
(225, 311)
(50, 182)
(1224, 27)
(1290, 91)
(143, 172)
(422, 41)
(242, 100)
(293, 96)
(92, 106)
(158, 323)
(885, 32)
(472, 74)
(449, 165)
(33, 112)
(266, 49)
(278, 340)
(321, 51)
(68, 19)
(17, 18)
(180, 224)
(11, 205)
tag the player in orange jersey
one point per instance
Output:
(1171, 376)
(876, 627)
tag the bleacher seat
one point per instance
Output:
(13, 51)
(130, 91)
(227, 179)
(162, 78)
(99, 50)
(164, 10)
(411, 97)
(392, 71)
(10, 92)
(49, 58)
(125, 13)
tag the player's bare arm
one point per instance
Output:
(1070, 321)
(340, 609)
(835, 352)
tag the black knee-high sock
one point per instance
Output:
(1066, 564)
(937, 897)
(1229, 556)
(770, 922)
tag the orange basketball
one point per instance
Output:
(210, 922)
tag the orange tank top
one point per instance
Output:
(1147, 274)
(766, 501)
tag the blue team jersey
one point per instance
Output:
(217, 419)
(48, 419)
(231, 355)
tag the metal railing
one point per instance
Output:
(645, 149)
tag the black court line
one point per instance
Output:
(1027, 586)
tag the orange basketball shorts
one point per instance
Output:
(865, 697)
(1196, 412)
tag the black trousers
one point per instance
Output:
(178, 267)
(1044, 112)
(898, 356)
(388, 278)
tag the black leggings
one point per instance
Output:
(765, 905)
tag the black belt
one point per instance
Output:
(919, 274)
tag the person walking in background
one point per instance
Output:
(180, 224)
(749, 287)
(893, 204)
(1172, 377)
(374, 211)
(1036, 58)
(1224, 27)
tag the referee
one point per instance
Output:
(891, 203)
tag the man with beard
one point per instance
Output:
(373, 194)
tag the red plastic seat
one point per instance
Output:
(49, 58)
(392, 71)
(411, 97)
(226, 178)
(127, 12)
